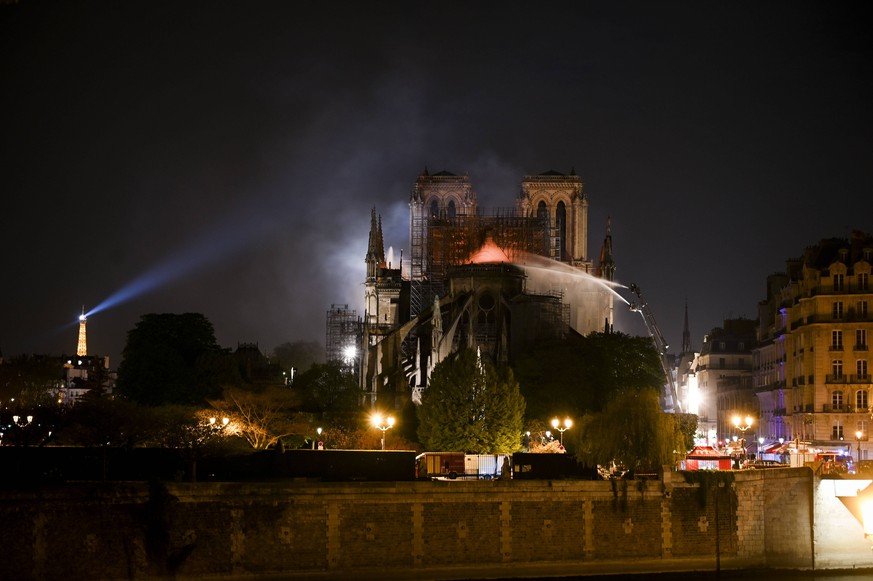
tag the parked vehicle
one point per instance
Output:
(454, 465)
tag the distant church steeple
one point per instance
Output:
(82, 347)
(686, 333)
(606, 267)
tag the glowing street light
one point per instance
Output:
(742, 425)
(214, 421)
(556, 423)
(22, 424)
(382, 423)
(318, 433)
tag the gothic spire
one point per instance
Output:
(686, 334)
(606, 267)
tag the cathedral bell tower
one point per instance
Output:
(560, 200)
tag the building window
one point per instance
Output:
(837, 430)
(452, 209)
(434, 209)
(862, 310)
(838, 310)
(861, 399)
(837, 400)
(868, 254)
(863, 281)
(861, 368)
(721, 363)
(861, 338)
(839, 282)
(863, 426)
(836, 339)
(837, 367)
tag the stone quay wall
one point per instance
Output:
(421, 529)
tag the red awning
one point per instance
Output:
(706, 453)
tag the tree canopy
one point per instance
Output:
(631, 430)
(579, 374)
(470, 406)
(328, 388)
(174, 359)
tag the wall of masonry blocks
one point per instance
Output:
(142, 531)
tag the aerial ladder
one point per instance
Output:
(671, 398)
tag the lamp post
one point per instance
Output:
(556, 423)
(859, 435)
(742, 425)
(22, 423)
(318, 433)
(213, 423)
(382, 423)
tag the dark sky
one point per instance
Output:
(225, 155)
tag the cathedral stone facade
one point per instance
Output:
(494, 280)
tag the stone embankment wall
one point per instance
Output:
(408, 529)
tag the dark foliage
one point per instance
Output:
(174, 359)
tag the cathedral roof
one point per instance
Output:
(489, 253)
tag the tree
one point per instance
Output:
(300, 355)
(470, 406)
(174, 359)
(578, 375)
(31, 380)
(327, 387)
(631, 430)
(262, 418)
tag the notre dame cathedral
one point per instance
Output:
(495, 280)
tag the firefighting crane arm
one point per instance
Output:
(660, 344)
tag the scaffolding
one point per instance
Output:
(343, 339)
(440, 242)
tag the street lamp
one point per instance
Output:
(318, 432)
(214, 421)
(22, 424)
(859, 434)
(742, 426)
(382, 423)
(556, 423)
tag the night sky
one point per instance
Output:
(223, 157)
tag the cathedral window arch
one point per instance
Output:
(452, 209)
(561, 230)
(434, 208)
